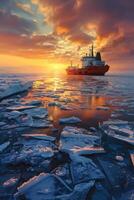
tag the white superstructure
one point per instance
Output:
(91, 60)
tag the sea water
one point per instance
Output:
(93, 99)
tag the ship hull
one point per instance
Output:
(92, 70)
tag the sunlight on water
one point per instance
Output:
(93, 99)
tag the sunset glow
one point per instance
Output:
(39, 36)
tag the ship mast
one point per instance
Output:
(92, 50)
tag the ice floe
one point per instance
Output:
(2, 124)
(15, 88)
(34, 102)
(70, 120)
(74, 142)
(10, 182)
(54, 103)
(4, 146)
(36, 150)
(49, 186)
(20, 107)
(25, 120)
(84, 169)
(39, 113)
(102, 108)
(13, 114)
(131, 152)
(40, 137)
(116, 176)
(120, 130)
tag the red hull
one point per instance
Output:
(94, 70)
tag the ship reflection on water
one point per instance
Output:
(92, 99)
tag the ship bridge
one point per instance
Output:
(91, 60)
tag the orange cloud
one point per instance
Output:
(74, 25)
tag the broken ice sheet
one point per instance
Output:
(131, 153)
(39, 113)
(41, 123)
(13, 114)
(33, 102)
(100, 192)
(48, 186)
(115, 174)
(102, 108)
(120, 130)
(4, 146)
(36, 150)
(26, 120)
(115, 122)
(15, 89)
(8, 183)
(128, 195)
(63, 172)
(70, 120)
(123, 131)
(40, 137)
(72, 140)
(54, 103)
(2, 124)
(84, 169)
(20, 107)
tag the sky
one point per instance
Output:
(45, 35)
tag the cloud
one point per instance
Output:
(28, 46)
(20, 34)
(111, 20)
(12, 23)
(107, 23)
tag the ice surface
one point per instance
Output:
(65, 107)
(100, 192)
(39, 113)
(10, 182)
(41, 124)
(70, 120)
(114, 173)
(102, 108)
(52, 187)
(83, 170)
(115, 122)
(128, 195)
(13, 114)
(72, 141)
(40, 137)
(54, 103)
(124, 131)
(15, 89)
(4, 146)
(20, 107)
(34, 102)
(119, 130)
(63, 171)
(36, 150)
(25, 120)
(2, 124)
(132, 156)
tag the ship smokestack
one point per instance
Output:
(98, 56)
